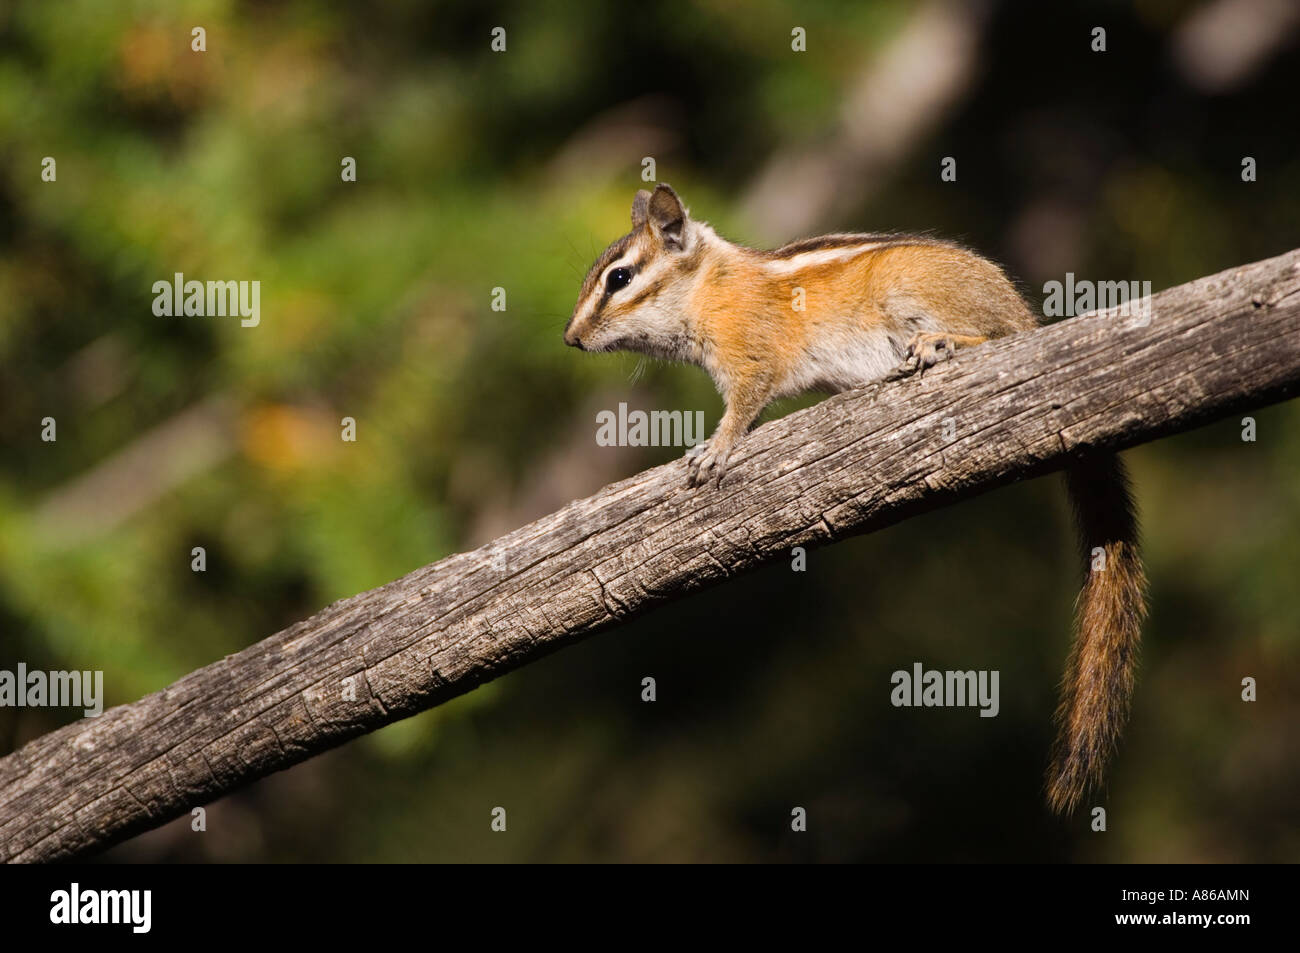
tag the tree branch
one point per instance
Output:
(1005, 411)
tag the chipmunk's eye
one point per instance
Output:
(618, 278)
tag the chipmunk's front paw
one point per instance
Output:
(927, 350)
(706, 460)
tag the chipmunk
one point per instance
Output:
(872, 304)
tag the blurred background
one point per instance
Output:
(479, 169)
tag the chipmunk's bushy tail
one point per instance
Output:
(1099, 676)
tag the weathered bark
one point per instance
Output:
(1001, 412)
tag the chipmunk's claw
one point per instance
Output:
(704, 461)
(927, 350)
(924, 350)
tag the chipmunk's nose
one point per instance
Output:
(571, 338)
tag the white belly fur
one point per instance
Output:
(844, 360)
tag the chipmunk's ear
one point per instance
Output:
(640, 203)
(667, 217)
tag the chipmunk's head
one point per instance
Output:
(634, 297)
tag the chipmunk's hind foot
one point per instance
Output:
(928, 349)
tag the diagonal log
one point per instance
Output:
(1005, 411)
